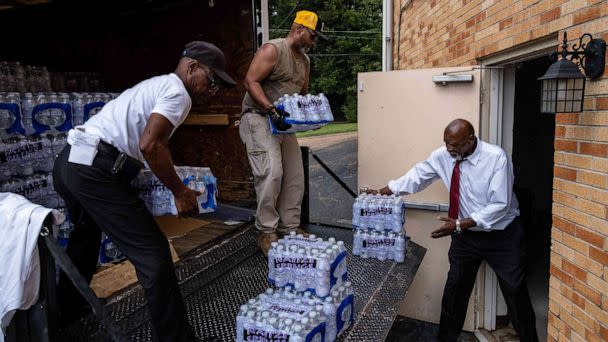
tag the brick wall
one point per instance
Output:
(439, 33)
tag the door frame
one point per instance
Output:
(497, 115)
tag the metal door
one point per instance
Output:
(401, 119)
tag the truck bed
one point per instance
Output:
(219, 276)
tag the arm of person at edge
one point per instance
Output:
(154, 145)
(417, 179)
(261, 66)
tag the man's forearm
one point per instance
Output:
(467, 223)
(256, 91)
(159, 159)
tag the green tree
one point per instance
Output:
(355, 45)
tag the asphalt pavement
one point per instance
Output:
(329, 202)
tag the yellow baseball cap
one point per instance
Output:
(309, 19)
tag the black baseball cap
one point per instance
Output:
(211, 56)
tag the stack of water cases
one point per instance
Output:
(160, 201)
(313, 299)
(33, 130)
(307, 263)
(306, 112)
(378, 221)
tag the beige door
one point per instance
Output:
(401, 118)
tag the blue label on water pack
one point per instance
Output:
(92, 107)
(103, 257)
(348, 301)
(319, 329)
(210, 204)
(211, 189)
(41, 128)
(332, 278)
(15, 127)
(297, 126)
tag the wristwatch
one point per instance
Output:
(458, 229)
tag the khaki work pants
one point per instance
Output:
(278, 174)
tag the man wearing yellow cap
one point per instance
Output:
(280, 67)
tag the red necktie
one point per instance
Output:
(454, 191)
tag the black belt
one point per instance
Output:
(256, 111)
(109, 158)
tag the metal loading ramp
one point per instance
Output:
(219, 276)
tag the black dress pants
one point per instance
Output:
(504, 251)
(98, 200)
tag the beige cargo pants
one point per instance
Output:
(278, 174)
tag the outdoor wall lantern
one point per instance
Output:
(563, 85)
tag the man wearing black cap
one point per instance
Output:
(93, 175)
(279, 67)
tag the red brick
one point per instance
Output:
(470, 23)
(598, 255)
(574, 270)
(550, 15)
(567, 118)
(604, 333)
(505, 23)
(589, 293)
(578, 300)
(586, 15)
(594, 149)
(564, 173)
(573, 297)
(564, 226)
(565, 145)
(591, 337)
(601, 103)
(560, 131)
(561, 275)
(589, 236)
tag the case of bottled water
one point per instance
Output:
(38, 188)
(281, 315)
(307, 263)
(288, 315)
(379, 212)
(22, 156)
(379, 245)
(306, 112)
(378, 222)
(108, 252)
(50, 112)
(10, 115)
(160, 201)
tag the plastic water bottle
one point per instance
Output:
(324, 108)
(7, 118)
(5, 169)
(26, 113)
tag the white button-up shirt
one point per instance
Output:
(486, 184)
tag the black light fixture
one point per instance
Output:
(563, 85)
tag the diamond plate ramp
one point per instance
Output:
(218, 277)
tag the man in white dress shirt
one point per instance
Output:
(482, 220)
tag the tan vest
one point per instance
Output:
(287, 76)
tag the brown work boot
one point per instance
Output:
(265, 240)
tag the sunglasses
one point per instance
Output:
(212, 85)
(313, 34)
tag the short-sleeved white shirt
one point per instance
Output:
(121, 122)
